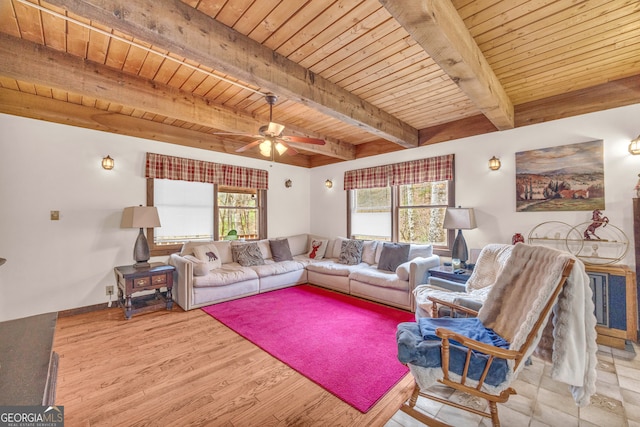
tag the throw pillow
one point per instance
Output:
(317, 248)
(280, 250)
(351, 252)
(200, 268)
(247, 254)
(208, 253)
(393, 254)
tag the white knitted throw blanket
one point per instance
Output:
(491, 260)
(489, 265)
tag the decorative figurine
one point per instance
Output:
(637, 187)
(517, 238)
(598, 221)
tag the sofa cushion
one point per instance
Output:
(317, 248)
(298, 244)
(247, 253)
(270, 268)
(351, 252)
(280, 250)
(228, 274)
(337, 247)
(393, 254)
(200, 268)
(208, 253)
(424, 251)
(380, 278)
(224, 249)
(369, 251)
(265, 248)
(332, 268)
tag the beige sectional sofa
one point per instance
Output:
(199, 283)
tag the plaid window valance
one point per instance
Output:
(374, 177)
(438, 168)
(179, 168)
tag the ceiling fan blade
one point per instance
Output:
(249, 145)
(275, 129)
(290, 151)
(303, 139)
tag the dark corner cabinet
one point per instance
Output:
(616, 306)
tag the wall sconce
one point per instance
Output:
(328, 183)
(288, 183)
(107, 163)
(634, 146)
(494, 163)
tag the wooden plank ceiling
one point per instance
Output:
(367, 76)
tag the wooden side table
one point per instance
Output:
(131, 280)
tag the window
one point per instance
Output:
(421, 210)
(185, 210)
(238, 211)
(412, 213)
(371, 214)
(202, 211)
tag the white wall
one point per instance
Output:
(58, 265)
(492, 193)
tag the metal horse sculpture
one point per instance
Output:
(598, 220)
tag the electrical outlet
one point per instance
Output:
(109, 290)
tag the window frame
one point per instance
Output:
(395, 212)
(163, 250)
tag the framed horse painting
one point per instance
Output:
(563, 178)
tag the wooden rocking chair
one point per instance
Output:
(491, 355)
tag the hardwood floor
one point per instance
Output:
(186, 368)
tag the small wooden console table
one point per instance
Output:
(131, 280)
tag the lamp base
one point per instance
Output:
(141, 265)
(141, 251)
(459, 249)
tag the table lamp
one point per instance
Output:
(461, 219)
(140, 217)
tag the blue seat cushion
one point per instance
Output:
(419, 345)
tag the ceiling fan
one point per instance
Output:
(271, 139)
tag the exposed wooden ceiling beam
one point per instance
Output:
(42, 65)
(49, 109)
(436, 26)
(179, 28)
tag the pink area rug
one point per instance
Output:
(344, 344)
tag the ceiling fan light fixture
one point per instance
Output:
(265, 148)
(280, 148)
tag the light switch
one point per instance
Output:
(55, 215)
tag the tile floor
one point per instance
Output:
(542, 401)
